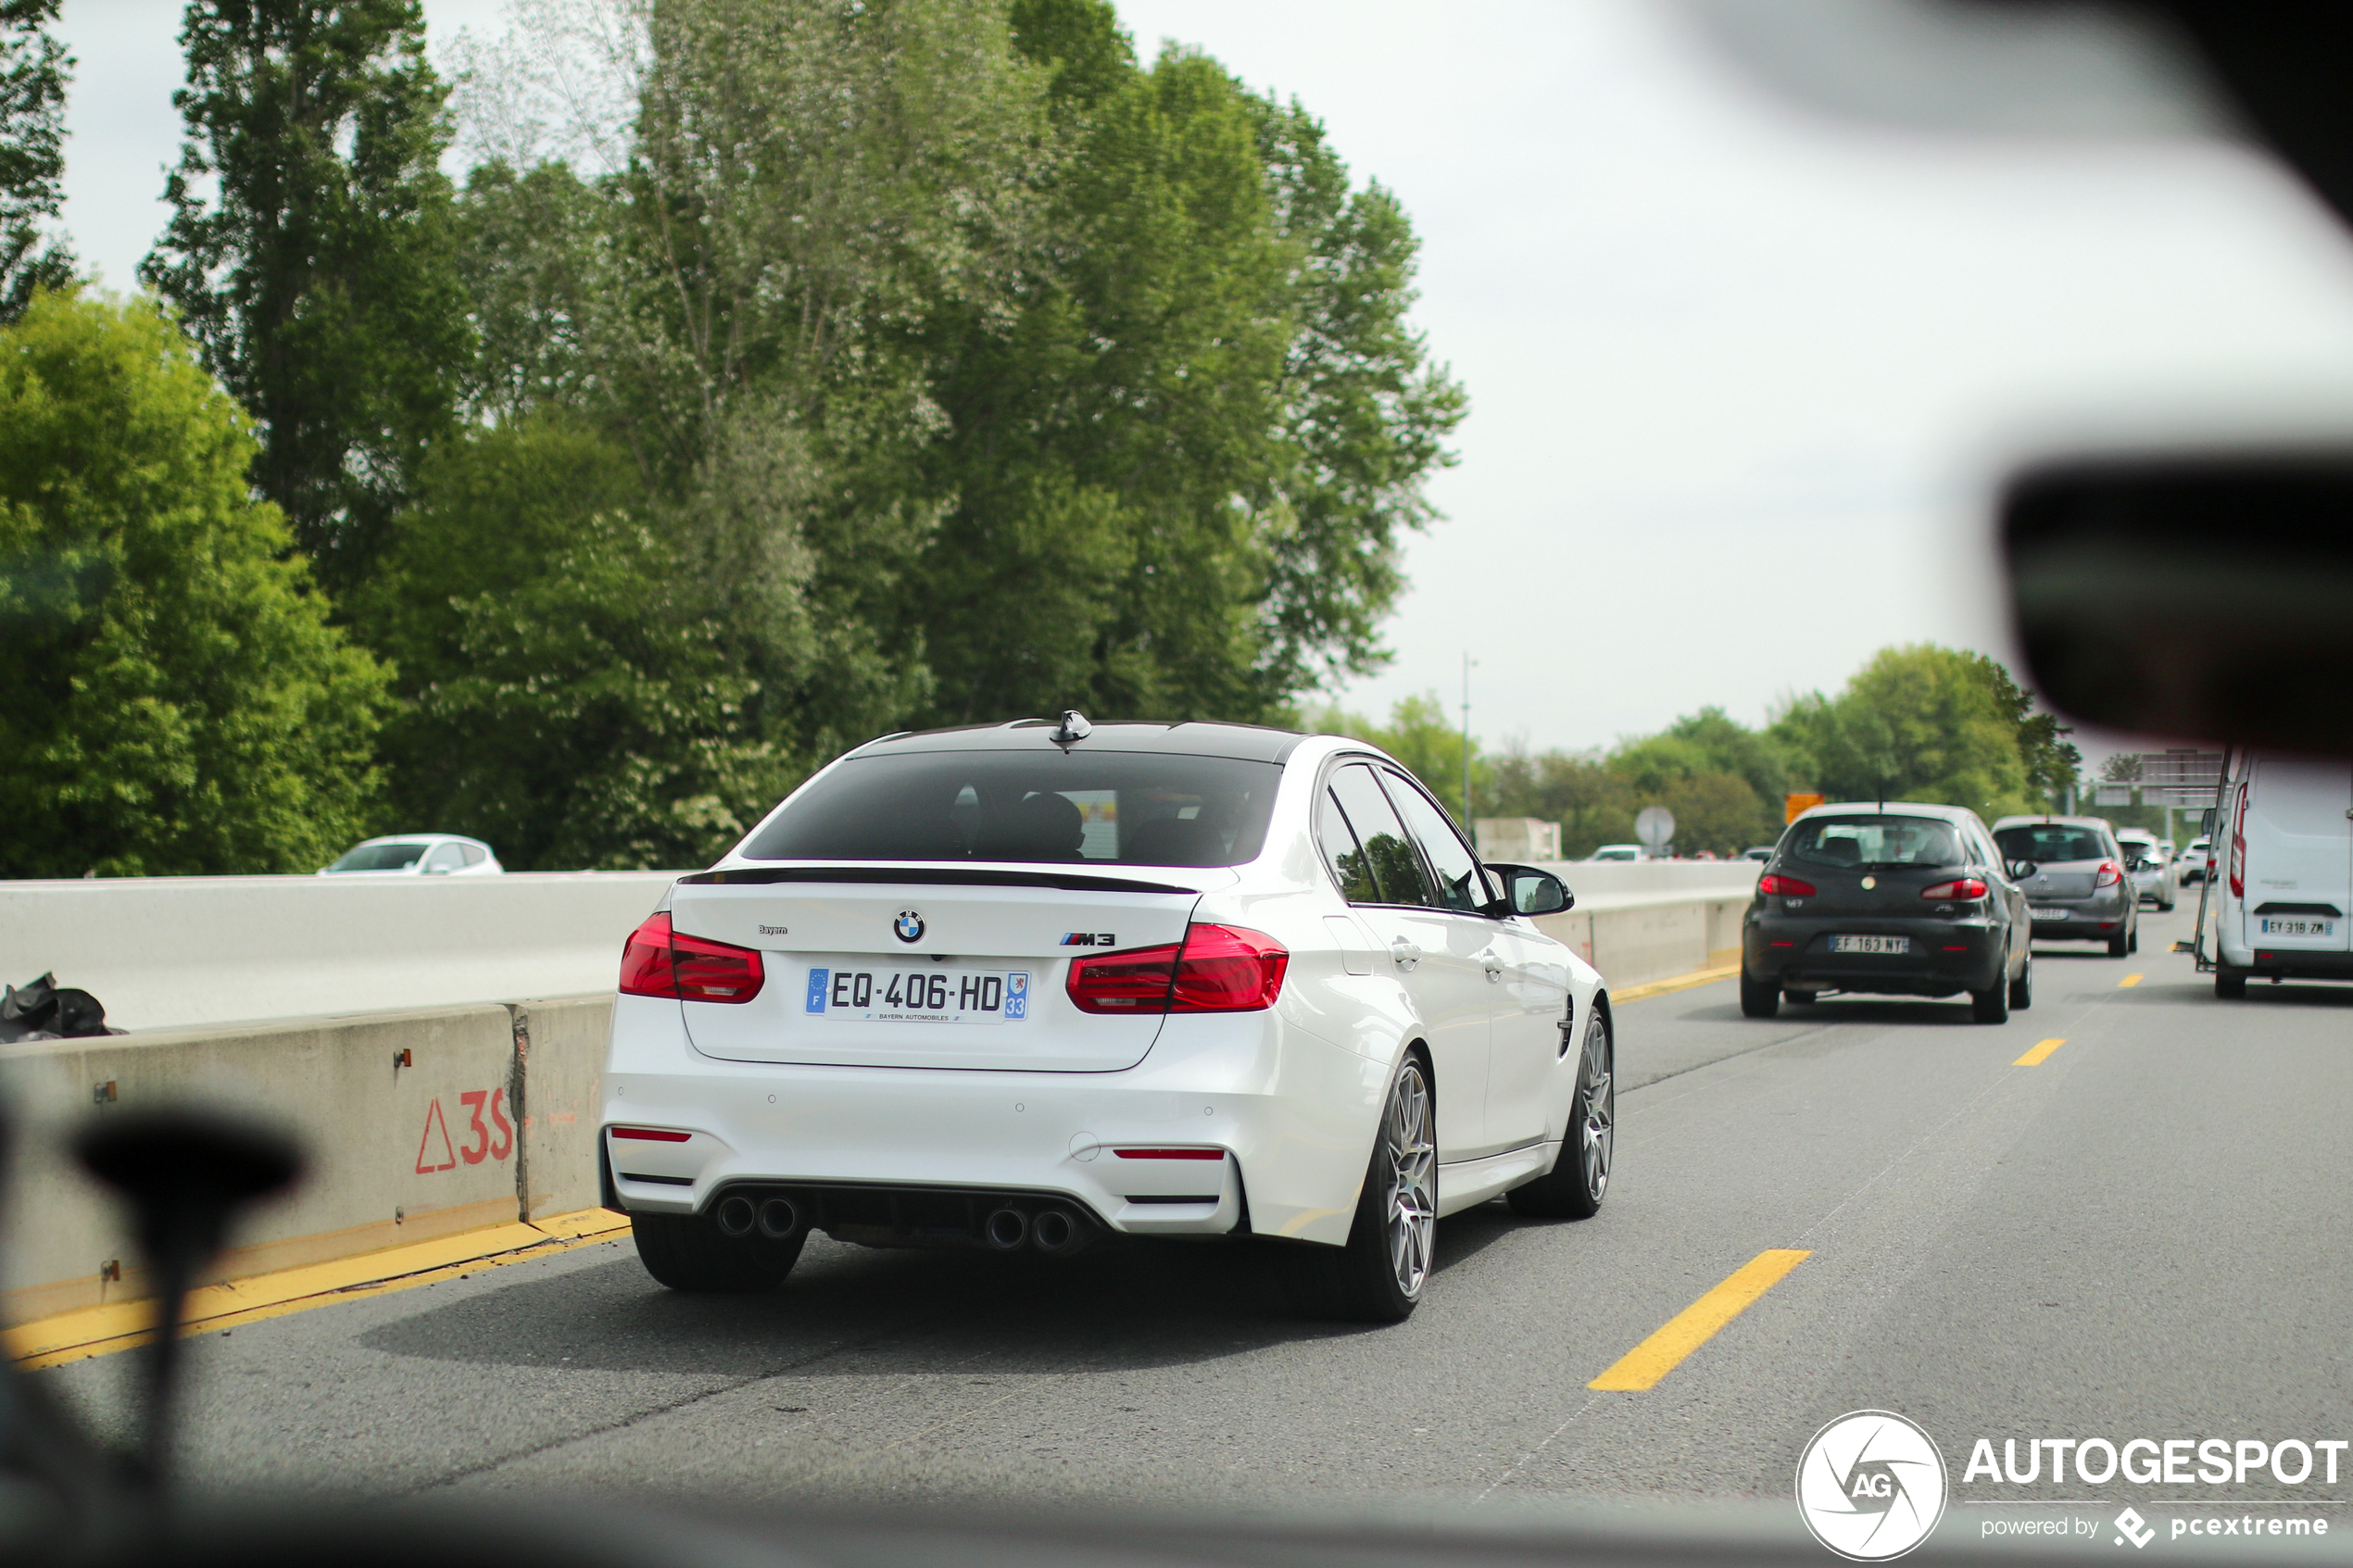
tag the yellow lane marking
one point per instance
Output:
(2039, 1055)
(122, 1326)
(1642, 1366)
(2128, 980)
(1680, 983)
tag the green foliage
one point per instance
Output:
(310, 251)
(1212, 366)
(172, 700)
(33, 70)
(569, 693)
(1927, 723)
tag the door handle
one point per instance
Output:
(1492, 962)
(1406, 953)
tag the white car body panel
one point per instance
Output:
(1291, 1094)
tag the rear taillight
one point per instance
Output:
(1778, 886)
(1229, 969)
(2108, 875)
(2238, 846)
(659, 961)
(1966, 888)
(1217, 969)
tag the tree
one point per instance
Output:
(567, 693)
(1206, 425)
(173, 698)
(310, 253)
(1930, 724)
(34, 68)
(1418, 736)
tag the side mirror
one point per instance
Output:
(2249, 553)
(2022, 869)
(2206, 823)
(1528, 890)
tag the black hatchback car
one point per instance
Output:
(1895, 899)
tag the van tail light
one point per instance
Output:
(659, 961)
(2108, 875)
(1216, 969)
(2238, 845)
(1966, 888)
(1778, 886)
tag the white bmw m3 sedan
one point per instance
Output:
(1029, 985)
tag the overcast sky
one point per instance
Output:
(1738, 380)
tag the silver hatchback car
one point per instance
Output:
(2077, 887)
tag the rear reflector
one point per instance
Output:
(659, 961)
(1217, 969)
(1780, 886)
(652, 1135)
(1170, 1153)
(1966, 887)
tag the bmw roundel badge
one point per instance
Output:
(909, 926)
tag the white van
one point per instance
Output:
(2283, 875)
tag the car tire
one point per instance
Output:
(2022, 988)
(689, 1252)
(2133, 938)
(1993, 1004)
(2117, 947)
(1573, 1189)
(2229, 985)
(1760, 999)
(1380, 1275)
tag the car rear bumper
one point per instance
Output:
(1286, 1117)
(2289, 964)
(2096, 919)
(1946, 957)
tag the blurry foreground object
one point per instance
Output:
(2258, 549)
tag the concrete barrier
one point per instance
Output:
(170, 952)
(1643, 921)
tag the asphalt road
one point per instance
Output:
(2141, 1236)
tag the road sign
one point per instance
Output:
(1655, 825)
(1796, 805)
(2182, 768)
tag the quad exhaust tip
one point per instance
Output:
(779, 1219)
(1007, 1229)
(736, 1216)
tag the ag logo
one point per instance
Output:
(1870, 1486)
(909, 925)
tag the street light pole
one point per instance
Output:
(1467, 821)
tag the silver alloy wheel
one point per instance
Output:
(1596, 1109)
(1410, 1204)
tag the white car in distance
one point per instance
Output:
(1025, 985)
(416, 854)
(2151, 869)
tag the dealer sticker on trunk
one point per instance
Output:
(919, 996)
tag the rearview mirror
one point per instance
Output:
(2203, 595)
(1528, 890)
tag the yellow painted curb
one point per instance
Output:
(1682, 981)
(101, 1331)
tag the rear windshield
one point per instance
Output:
(1109, 808)
(379, 857)
(1874, 841)
(2048, 843)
